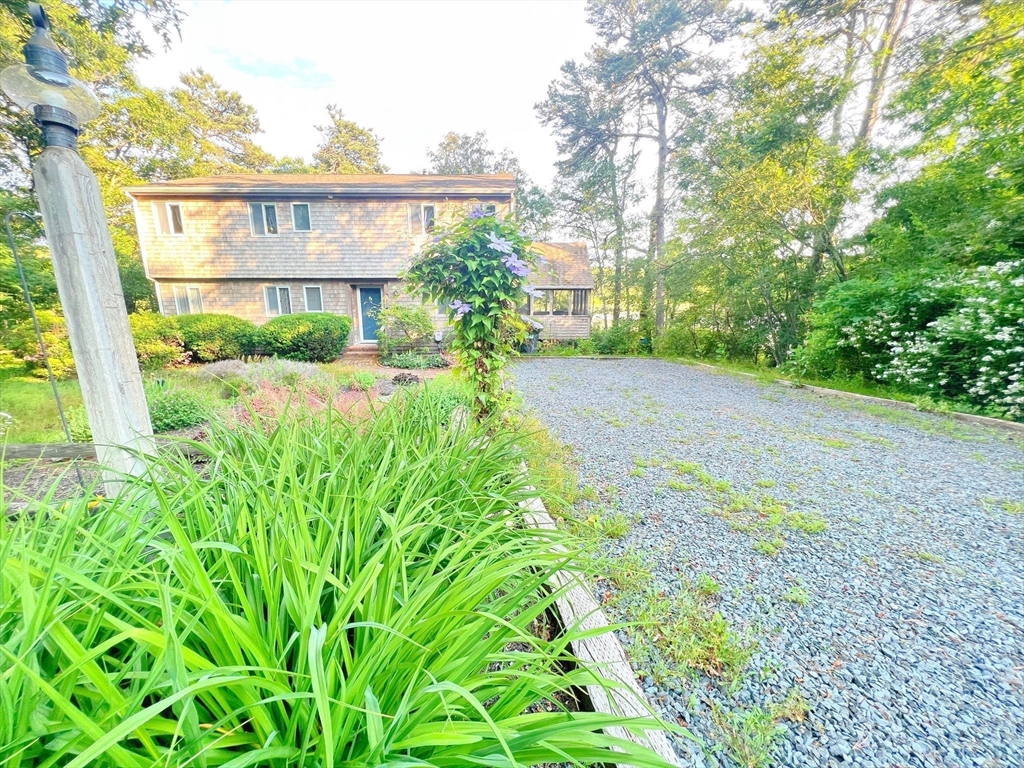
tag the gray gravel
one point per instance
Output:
(911, 648)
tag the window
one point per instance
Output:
(421, 218)
(168, 219)
(314, 298)
(263, 218)
(188, 300)
(300, 217)
(278, 299)
(490, 209)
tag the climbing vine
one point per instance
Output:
(477, 269)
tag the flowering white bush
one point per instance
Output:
(974, 352)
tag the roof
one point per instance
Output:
(331, 185)
(562, 265)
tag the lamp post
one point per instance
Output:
(83, 254)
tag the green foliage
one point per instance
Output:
(346, 147)
(210, 337)
(403, 328)
(477, 268)
(330, 595)
(414, 360)
(21, 340)
(175, 407)
(158, 340)
(622, 338)
(458, 154)
(958, 335)
(312, 337)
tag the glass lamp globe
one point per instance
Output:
(29, 87)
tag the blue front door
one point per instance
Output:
(369, 303)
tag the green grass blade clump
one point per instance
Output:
(320, 594)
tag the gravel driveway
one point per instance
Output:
(901, 622)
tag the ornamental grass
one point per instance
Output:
(318, 594)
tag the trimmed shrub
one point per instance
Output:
(402, 328)
(157, 341)
(21, 340)
(169, 408)
(211, 337)
(315, 338)
(175, 407)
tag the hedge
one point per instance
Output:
(314, 338)
(211, 337)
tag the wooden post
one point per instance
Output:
(93, 303)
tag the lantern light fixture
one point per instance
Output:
(44, 86)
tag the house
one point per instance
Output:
(259, 246)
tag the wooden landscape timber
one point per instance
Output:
(578, 608)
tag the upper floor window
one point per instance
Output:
(188, 300)
(300, 217)
(421, 218)
(490, 209)
(168, 218)
(263, 218)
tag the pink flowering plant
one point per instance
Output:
(478, 270)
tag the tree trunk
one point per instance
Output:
(659, 210)
(895, 22)
(620, 242)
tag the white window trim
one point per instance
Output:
(423, 221)
(294, 229)
(184, 289)
(266, 304)
(263, 211)
(305, 301)
(167, 212)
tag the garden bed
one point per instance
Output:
(366, 578)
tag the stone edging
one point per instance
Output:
(578, 608)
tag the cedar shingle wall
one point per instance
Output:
(349, 239)
(244, 298)
(564, 327)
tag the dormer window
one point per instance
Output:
(263, 218)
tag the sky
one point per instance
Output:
(409, 70)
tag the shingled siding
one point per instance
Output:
(245, 298)
(350, 238)
(558, 327)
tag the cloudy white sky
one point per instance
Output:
(409, 70)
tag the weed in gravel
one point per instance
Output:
(990, 503)
(765, 483)
(926, 557)
(830, 442)
(793, 708)
(770, 547)
(636, 472)
(706, 585)
(749, 736)
(797, 596)
(679, 485)
(681, 632)
(615, 526)
(626, 572)
(807, 522)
